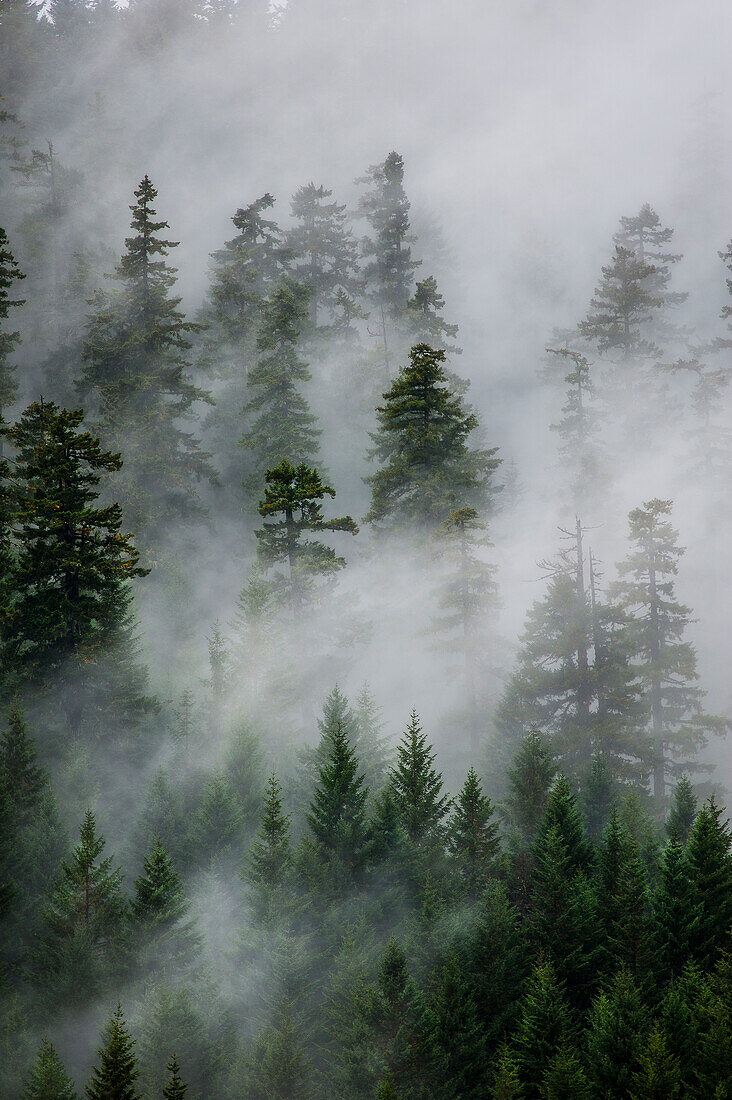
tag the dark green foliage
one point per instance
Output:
(562, 814)
(219, 822)
(623, 904)
(417, 787)
(618, 1028)
(389, 266)
(710, 869)
(159, 910)
(496, 964)
(658, 1076)
(427, 467)
(281, 426)
(293, 494)
(542, 1031)
(171, 1019)
(565, 1078)
(48, 1080)
(683, 810)
(136, 371)
(270, 858)
(20, 777)
(324, 251)
(280, 1069)
(175, 1088)
(676, 911)
(599, 797)
(114, 1078)
(623, 306)
(10, 273)
(530, 778)
(425, 321)
(71, 607)
(452, 1040)
(337, 816)
(473, 837)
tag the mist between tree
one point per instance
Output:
(365, 461)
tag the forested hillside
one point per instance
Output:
(365, 467)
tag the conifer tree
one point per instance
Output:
(618, 1028)
(219, 822)
(427, 467)
(20, 775)
(159, 910)
(565, 1078)
(683, 811)
(281, 1068)
(417, 787)
(71, 610)
(544, 1027)
(467, 599)
(270, 858)
(175, 1088)
(293, 494)
(114, 1078)
(136, 369)
(280, 424)
(473, 836)
(371, 744)
(676, 911)
(425, 318)
(10, 273)
(337, 816)
(623, 307)
(577, 428)
(496, 963)
(48, 1080)
(598, 797)
(648, 238)
(451, 1042)
(709, 852)
(324, 251)
(530, 780)
(658, 1076)
(665, 663)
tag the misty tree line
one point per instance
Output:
(340, 926)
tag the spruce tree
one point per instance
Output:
(280, 424)
(565, 1079)
(159, 910)
(578, 427)
(71, 608)
(658, 1076)
(417, 787)
(371, 743)
(709, 852)
(270, 858)
(20, 776)
(648, 238)
(623, 307)
(676, 911)
(530, 780)
(619, 1024)
(48, 1080)
(337, 816)
(427, 467)
(665, 663)
(292, 498)
(496, 965)
(175, 1088)
(219, 821)
(425, 321)
(473, 837)
(683, 810)
(324, 251)
(114, 1078)
(544, 1027)
(136, 371)
(10, 273)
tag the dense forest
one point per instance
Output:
(364, 572)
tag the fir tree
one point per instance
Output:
(496, 965)
(618, 1028)
(281, 1068)
(20, 775)
(219, 821)
(543, 1029)
(324, 251)
(371, 744)
(158, 896)
(530, 780)
(114, 1078)
(48, 1080)
(72, 605)
(665, 663)
(710, 867)
(473, 836)
(623, 307)
(10, 273)
(451, 1041)
(676, 911)
(417, 787)
(427, 468)
(565, 1078)
(137, 370)
(598, 797)
(683, 811)
(658, 1076)
(648, 238)
(280, 424)
(337, 816)
(425, 320)
(577, 428)
(175, 1088)
(270, 858)
(293, 493)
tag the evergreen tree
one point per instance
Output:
(159, 910)
(10, 273)
(337, 816)
(293, 493)
(542, 1031)
(427, 468)
(281, 1069)
(710, 867)
(270, 858)
(324, 251)
(562, 814)
(417, 787)
(665, 663)
(565, 1078)
(598, 797)
(371, 744)
(71, 608)
(280, 424)
(48, 1080)
(473, 836)
(676, 911)
(219, 822)
(452, 1042)
(425, 320)
(136, 368)
(683, 811)
(530, 781)
(496, 964)
(467, 599)
(20, 775)
(618, 1028)
(623, 306)
(114, 1078)
(658, 1076)
(577, 428)
(175, 1088)
(648, 238)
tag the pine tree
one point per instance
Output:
(219, 822)
(599, 796)
(565, 1078)
(618, 1028)
(337, 816)
(574, 679)
(623, 307)
(48, 1080)
(371, 744)
(137, 370)
(159, 910)
(709, 854)
(280, 424)
(175, 1088)
(71, 608)
(20, 775)
(578, 427)
(425, 320)
(467, 599)
(658, 1076)
(496, 965)
(417, 787)
(562, 814)
(270, 858)
(293, 493)
(325, 253)
(676, 911)
(665, 663)
(683, 811)
(543, 1029)
(473, 836)
(644, 234)
(114, 1078)
(427, 468)
(10, 273)
(451, 1045)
